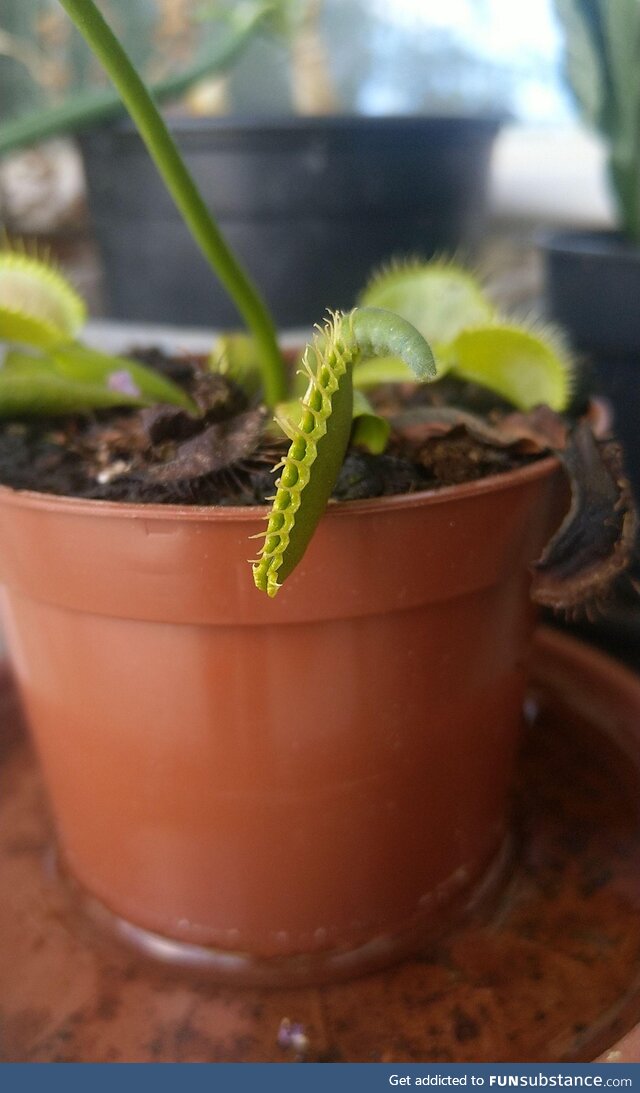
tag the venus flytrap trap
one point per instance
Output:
(526, 366)
(47, 370)
(472, 344)
(440, 293)
(37, 305)
(319, 440)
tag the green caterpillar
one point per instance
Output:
(319, 439)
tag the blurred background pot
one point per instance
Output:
(593, 278)
(592, 285)
(287, 790)
(310, 205)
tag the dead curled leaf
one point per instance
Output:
(594, 545)
(216, 398)
(164, 423)
(216, 448)
(534, 433)
(595, 542)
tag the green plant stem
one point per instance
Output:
(183, 189)
(104, 104)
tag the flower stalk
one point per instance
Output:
(183, 189)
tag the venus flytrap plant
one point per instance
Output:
(526, 366)
(38, 306)
(370, 431)
(373, 346)
(48, 371)
(165, 154)
(403, 311)
(427, 596)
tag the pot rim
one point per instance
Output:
(490, 122)
(606, 244)
(83, 506)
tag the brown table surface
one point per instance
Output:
(550, 971)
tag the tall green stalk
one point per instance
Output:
(183, 189)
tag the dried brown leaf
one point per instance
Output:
(594, 544)
(533, 433)
(215, 449)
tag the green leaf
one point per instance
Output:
(40, 309)
(72, 379)
(525, 369)
(34, 386)
(621, 23)
(370, 431)
(79, 362)
(372, 331)
(438, 298)
(446, 303)
(237, 356)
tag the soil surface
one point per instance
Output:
(226, 457)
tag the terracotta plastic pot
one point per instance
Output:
(287, 790)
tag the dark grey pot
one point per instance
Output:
(592, 285)
(311, 205)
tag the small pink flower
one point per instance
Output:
(123, 383)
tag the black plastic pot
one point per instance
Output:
(311, 205)
(593, 289)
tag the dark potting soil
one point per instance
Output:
(226, 457)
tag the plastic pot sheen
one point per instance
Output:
(285, 790)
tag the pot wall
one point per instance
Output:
(315, 775)
(309, 205)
